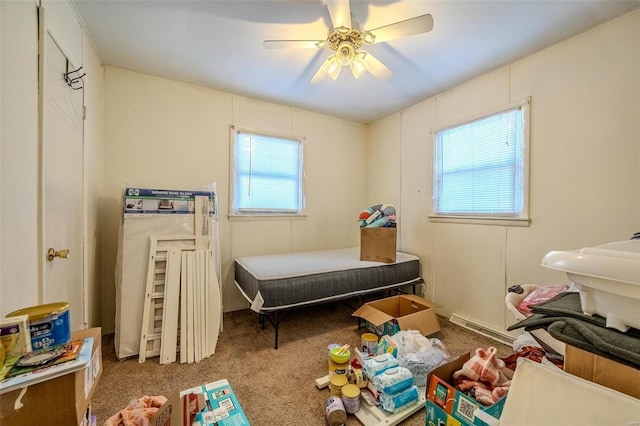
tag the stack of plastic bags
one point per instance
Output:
(415, 352)
(377, 216)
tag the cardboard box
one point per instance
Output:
(452, 407)
(540, 394)
(402, 312)
(601, 370)
(378, 244)
(179, 410)
(61, 400)
(216, 402)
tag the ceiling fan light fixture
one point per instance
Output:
(348, 37)
(332, 66)
(368, 37)
(345, 53)
(358, 65)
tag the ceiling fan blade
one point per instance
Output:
(340, 12)
(319, 76)
(377, 68)
(417, 25)
(290, 44)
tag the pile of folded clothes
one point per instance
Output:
(562, 316)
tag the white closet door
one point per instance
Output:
(62, 183)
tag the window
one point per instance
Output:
(267, 175)
(481, 166)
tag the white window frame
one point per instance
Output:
(239, 214)
(523, 218)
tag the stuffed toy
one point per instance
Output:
(481, 377)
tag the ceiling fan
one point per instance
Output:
(346, 41)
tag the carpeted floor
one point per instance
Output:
(274, 387)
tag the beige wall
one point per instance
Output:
(165, 134)
(585, 169)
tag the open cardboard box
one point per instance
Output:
(447, 405)
(401, 312)
(603, 371)
(211, 404)
(62, 400)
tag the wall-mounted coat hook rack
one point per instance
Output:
(74, 81)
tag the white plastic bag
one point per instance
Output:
(414, 342)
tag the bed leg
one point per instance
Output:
(261, 320)
(277, 325)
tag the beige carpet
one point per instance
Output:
(274, 387)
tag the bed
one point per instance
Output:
(273, 283)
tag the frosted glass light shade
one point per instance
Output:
(332, 66)
(359, 65)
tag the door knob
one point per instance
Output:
(53, 253)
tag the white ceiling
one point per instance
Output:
(218, 44)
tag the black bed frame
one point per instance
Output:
(274, 317)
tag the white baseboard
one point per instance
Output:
(482, 329)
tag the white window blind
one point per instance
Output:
(267, 175)
(479, 167)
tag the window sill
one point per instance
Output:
(264, 217)
(476, 220)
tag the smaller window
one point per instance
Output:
(480, 167)
(267, 175)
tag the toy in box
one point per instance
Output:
(444, 399)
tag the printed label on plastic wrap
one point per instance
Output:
(378, 364)
(393, 380)
(164, 201)
(395, 402)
